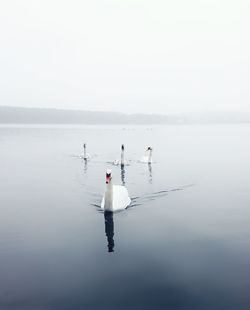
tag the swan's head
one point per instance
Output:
(108, 176)
(149, 148)
(122, 147)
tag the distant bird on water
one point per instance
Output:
(147, 158)
(86, 156)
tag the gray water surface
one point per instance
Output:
(183, 244)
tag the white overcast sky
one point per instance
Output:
(151, 56)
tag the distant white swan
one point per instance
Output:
(120, 162)
(86, 156)
(115, 196)
(147, 158)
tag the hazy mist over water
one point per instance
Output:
(184, 243)
(133, 56)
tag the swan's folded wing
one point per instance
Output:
(121, 199)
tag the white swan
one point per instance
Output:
(86, 155)
(147, 158)
(120, 162)
(115, 197)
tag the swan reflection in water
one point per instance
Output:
(123, 174)
(85, 166)
(150, 175)
(109, 230)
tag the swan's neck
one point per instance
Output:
(84, 152)
(122, 158)
(150, 156)
(108, 204)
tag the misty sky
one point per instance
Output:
(126, 55)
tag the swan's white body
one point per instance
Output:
(86, 156)
(115, 198)
(147, 158)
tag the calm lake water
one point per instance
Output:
(183, 244)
